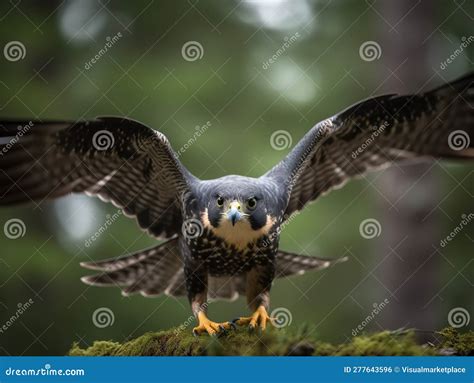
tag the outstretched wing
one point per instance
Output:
(117, 159)
(374, 133)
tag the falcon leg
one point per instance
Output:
(259, 281)
(196, 284)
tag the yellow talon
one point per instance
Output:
(260, 317)
(212, 328)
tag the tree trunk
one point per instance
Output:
(409, 194)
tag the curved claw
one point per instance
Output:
(258, 320)
(210, 327)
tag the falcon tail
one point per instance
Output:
(295, 264)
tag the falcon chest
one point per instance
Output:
(222, 258)
(230, 250)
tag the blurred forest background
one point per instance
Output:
(241, 80)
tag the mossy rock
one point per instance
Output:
(279, 342)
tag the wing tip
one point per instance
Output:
(89, 280)
(90, 266)
(98, 280)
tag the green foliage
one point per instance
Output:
(277, 342)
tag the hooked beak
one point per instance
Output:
(234, 214)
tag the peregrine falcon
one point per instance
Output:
(221, 235)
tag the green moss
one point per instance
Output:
(301, 341)
(100, 348)
(384, 343)
(454, 342)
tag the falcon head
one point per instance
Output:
(237, 210)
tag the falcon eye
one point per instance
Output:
(251, 203)
(220, 201)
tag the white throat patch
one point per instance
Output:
(240, 235)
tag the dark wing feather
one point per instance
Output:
(287, 264)
(119, 160)
(151, 272)
(374, 133)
